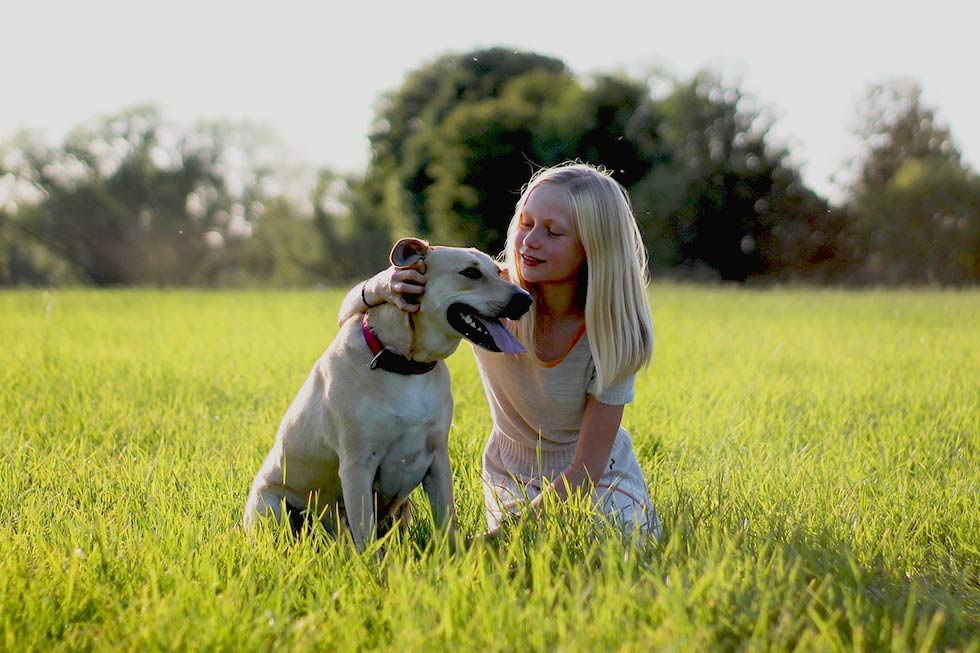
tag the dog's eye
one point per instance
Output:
(472, 273)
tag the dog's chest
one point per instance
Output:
(406, 435)
(403, 465)
(418, 404)
(418, 420)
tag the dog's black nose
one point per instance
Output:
(518, 305)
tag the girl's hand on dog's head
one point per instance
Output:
(402, 287)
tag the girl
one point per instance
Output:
(557, 410)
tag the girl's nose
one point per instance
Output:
(531, 239)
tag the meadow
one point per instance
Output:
(814, 455)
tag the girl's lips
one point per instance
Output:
(530, 260)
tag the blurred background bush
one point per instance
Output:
(134, 199)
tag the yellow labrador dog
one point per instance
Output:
(371, 423)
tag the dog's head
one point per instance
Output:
(465, 293)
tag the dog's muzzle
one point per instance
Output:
(487, 332)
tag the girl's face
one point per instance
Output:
(548, 247)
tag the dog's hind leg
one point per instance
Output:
(262, 504)
(403, 514)
(398, 517)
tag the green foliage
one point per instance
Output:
(132, 199)
(818, 489)
(924, 224)
(915, 203)
(409, 119)
(355, 237)
(895, 126)
(686, 206)
(726, 203)
(283, 250)
(457, 142)
(115, 200)
(708, 189)
(608, 120)
(26, 262)
(485, 152)
(481, 161)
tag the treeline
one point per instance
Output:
(133, 199)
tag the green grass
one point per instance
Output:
(814, 455)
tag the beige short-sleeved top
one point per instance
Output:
(541, 406)
(537, 412)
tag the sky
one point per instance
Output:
(313, 71)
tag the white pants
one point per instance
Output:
(514, 474)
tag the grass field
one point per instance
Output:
(815, 456)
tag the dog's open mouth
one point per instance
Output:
(487, 332)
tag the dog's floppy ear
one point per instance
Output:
(407, 251)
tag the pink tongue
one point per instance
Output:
(507, 343)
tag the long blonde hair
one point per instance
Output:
(617, 310)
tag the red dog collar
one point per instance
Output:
(389, 360)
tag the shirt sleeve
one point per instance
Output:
(619, 394)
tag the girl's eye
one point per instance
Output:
(553, 233)
(472, 273)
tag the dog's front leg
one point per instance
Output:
(438, 486)
(356, 480)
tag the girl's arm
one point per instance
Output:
(390, 285)
(600, 424)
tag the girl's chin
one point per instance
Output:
(531, 272)
(533, 276)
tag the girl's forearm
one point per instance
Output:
(402, 287)
(353, 303)
(575, 478)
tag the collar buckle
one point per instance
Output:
(388, 360)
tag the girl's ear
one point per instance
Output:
(408, 251)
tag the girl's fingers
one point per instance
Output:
(396, 285)
(410, 288)
(405, 306)
(411, 276)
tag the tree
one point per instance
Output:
(483, 154)
(894, 126)
(456, 145)
(408, 123)
(457, 142)
(284, 250)
(355, 238)
(131, 199)
(726, 200)
(914, 201)
(609, 120)
(923, 224)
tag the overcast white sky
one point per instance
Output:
(313, 72)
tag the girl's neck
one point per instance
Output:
(557, 302)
